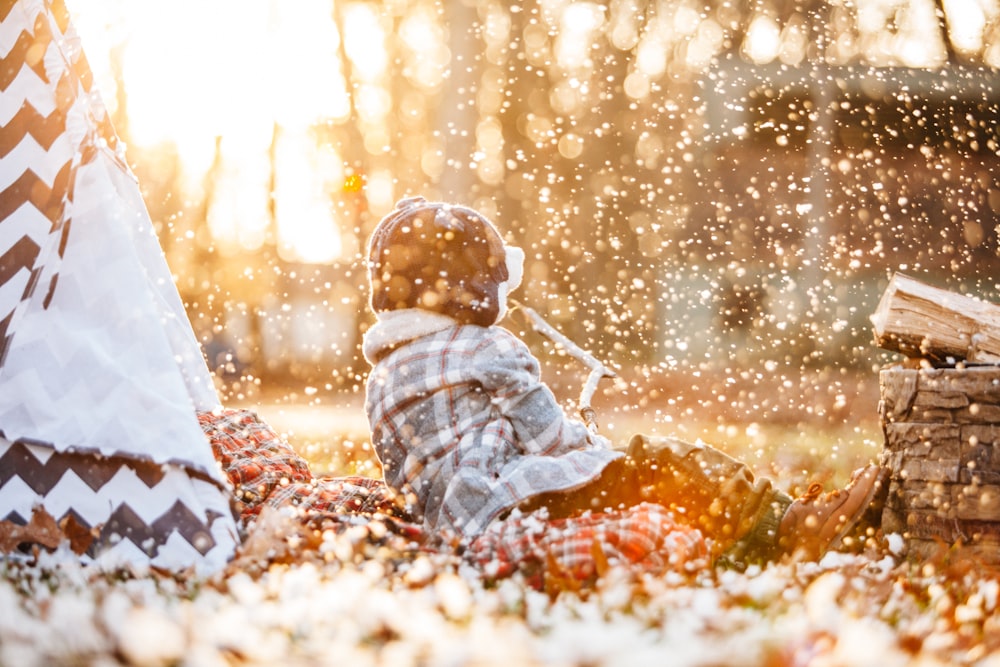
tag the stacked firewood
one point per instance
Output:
(940, 412)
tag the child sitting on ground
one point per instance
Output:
(468, 434)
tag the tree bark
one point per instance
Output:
(919, 320)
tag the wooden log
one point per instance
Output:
(942, 449)
(919, 320)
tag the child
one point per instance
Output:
(468, 433)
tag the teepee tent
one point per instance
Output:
(101, 375)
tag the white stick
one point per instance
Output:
(598, 370)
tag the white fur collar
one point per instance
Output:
(393, 327)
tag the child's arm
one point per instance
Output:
(510, 374)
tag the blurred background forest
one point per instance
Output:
(714, 186)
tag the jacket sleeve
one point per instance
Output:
(510, 374)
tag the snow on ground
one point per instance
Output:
(849, 609)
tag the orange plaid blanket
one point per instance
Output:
(265, 470)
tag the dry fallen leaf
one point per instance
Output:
(42, 530)
(80, 537)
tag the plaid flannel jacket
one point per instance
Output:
(461, 420)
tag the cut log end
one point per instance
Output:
(918, 320)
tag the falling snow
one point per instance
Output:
(712, 197)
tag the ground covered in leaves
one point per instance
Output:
(342, 601)
(355, 598)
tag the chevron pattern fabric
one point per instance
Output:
(139, 511)
(37, 150)
(100, 372)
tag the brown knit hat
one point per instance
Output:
(439, 257)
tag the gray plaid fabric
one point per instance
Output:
(462, 423)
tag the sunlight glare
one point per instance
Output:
(306, 230)
(763, 40)
(651, 54)
(309, 86)
(238, 211)
(967, 21)
(578, 23)
(209, 85)
(915, 40)
(364, 40)
(427, 41)
(196, 70)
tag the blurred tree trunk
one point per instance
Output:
(572, 211)
(818, 160)
(610, 264)
(547, 198)
(518, 199)
(351, 145)
(954, 58)
(352, 151)
(457, 116)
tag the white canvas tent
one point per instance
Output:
(100, 372)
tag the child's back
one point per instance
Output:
(461, 421)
